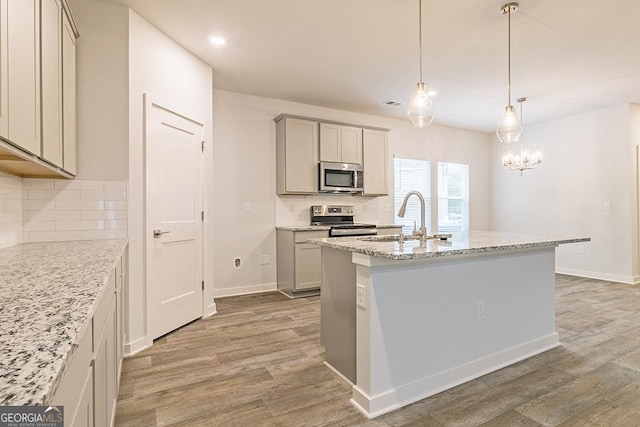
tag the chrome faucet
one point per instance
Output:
(423, 229)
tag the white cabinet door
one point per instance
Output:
(297, 156)
(375, 162)
(23, 44)
(84, 416)
(4, 95)
(69, 96)
(351, 148)
(51, 61)
(330, 144)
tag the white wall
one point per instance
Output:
(162, 68)
(102, 89)
(589, 159)
(11, 227)
(244, 172)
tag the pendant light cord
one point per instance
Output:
(420, 34)
(509, 56)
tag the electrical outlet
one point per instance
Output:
(264, 259)
(606, 206)
(360, 296)
(388, 207)
(247, 207)
(480, 310)
(581, 249)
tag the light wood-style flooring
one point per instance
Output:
(258, 362)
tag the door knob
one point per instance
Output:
(158, 233)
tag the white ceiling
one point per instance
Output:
(567, 56)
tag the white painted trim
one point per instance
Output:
(631, 280)
(210, 310)
(373, 406)
(245, 290)
(136, 346)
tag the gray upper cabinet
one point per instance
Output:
(376, 162)
(340, 143)
(37, 88)
(296, 156)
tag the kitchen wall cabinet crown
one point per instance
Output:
(340, 143)
(37, 88)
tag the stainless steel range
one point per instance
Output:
(340, 219)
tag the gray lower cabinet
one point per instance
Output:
(298, 262)
(89, 386)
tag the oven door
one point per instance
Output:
(340, 177)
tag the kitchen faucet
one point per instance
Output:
(423, 229)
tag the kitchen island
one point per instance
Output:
(404, 321)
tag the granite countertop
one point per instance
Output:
(323, 227)
(472, 242)
(48, 292)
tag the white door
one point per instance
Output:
(174, 224)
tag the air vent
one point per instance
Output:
(392, 103)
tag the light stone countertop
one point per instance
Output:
(48, 293)
(323, 227)
(472, 242)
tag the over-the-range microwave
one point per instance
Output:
(340, 177)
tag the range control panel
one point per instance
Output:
(332, 210)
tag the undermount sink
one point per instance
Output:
(396, 237)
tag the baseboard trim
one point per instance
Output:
(136, 346)
(373, 406)
(210, 310)
(630, 280)
(338, 373)
(245, 290)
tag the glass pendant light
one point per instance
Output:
(509, 129)
(421, 105)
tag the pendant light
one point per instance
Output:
(421, 105)
(509, 130)
(521, 156)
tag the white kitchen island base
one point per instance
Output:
(430, 324)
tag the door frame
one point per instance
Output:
(149, 101)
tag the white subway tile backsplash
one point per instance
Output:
(105, 214)
(115, 185)
(52, 236)
(52, 194)
(83, 205)
(38, 184)
(55, 215)
(78, 185)
(79, 225)
(104, 234)
(115, 225)
(103, 195)
(40, 226)
(115, 205)
(58, 210)
(39, 205)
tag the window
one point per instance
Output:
(453, 197)
(412, 174)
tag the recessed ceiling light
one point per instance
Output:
(217, 40)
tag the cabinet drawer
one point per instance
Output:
(302, 236)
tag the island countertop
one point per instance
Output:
(48, 293)
(467, 243)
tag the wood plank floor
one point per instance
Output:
(258, 362)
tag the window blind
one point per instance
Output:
(412, 174)
(453, 197)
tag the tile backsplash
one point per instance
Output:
(59, 210)
(11, 227)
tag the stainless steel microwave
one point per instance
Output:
(340, 177)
